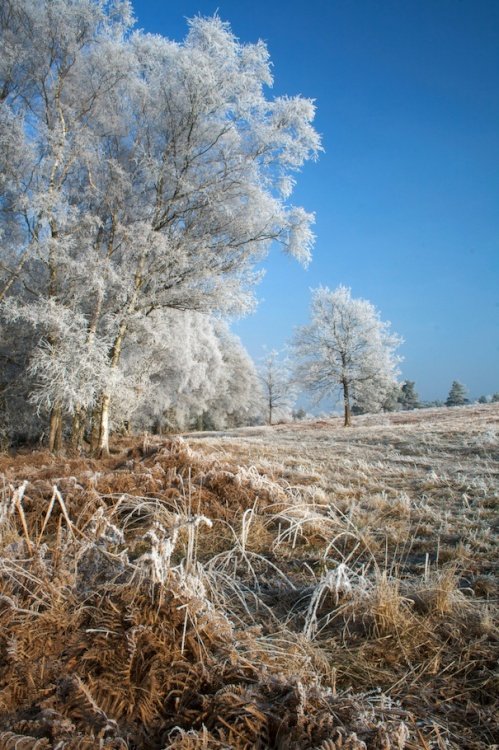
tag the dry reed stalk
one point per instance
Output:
(17, 500)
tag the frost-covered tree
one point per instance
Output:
(63, 370)
(367, 400)
(194, 373)
(208, 166)
(279, 392)
(391, 399)
(346, 348)
(457, 395)
(239, 399)
(299, 414)
(408, 398)
(139, 175)
(58, 65)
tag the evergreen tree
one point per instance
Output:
(408, 397)
(457, 395)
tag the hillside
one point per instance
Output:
(300, 586)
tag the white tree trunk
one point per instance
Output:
(103, 445)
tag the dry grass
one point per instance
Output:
(303, 586)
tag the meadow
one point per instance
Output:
(297, 586)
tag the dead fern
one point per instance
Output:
(11, 741)
(125, 620)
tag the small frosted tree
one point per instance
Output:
(278, 392)
(457, 395)
(346, 348)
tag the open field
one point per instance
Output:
(301, 586)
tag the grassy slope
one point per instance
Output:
(343, 596)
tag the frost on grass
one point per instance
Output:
(291, 588)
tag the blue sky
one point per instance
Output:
(406, 192)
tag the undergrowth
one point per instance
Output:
(301, 587)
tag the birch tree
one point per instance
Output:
(208, 161)
(279, 392)
(143, 175)
(345, 348)
(54, 80)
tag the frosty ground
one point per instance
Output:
(297, 586)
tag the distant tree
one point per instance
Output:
(494, 398)
(483, 400)
(391, 400)
(408, 398)
(299, 414)
(346, 347)
(457, 395)
(278, 392)
(369, 400)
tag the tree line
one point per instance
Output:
(346, 350)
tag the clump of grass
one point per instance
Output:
(439, 594)
(386, 611)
